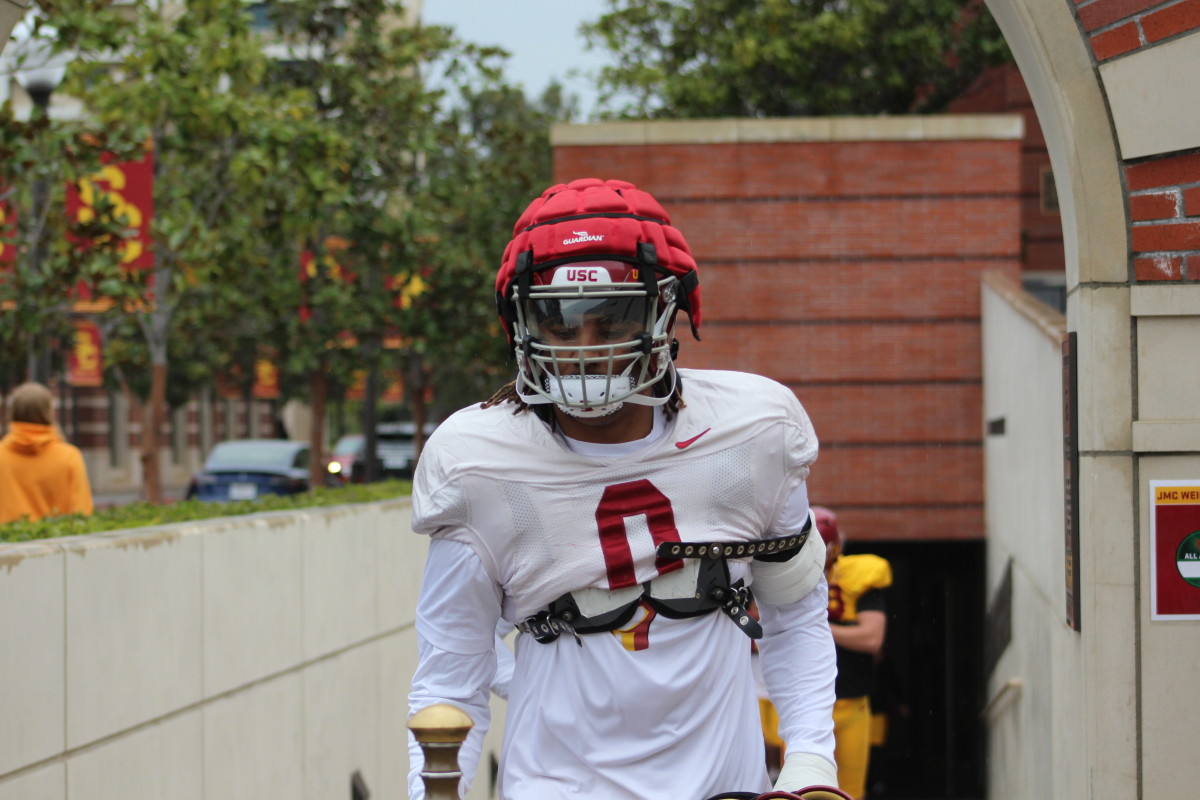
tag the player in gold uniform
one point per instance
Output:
(858, 620)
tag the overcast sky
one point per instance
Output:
(542, 36)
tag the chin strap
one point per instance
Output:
(656, 400)
(534, 398)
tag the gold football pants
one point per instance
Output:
(852, 732)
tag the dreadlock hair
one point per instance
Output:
(508, 394)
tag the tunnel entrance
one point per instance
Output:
(930, 684)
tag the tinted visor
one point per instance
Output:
(596, 303)
(606, 320)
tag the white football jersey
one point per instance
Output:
(546, 521)
(660, 706)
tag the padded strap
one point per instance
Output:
(716, 550)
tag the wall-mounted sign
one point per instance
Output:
(1175, 549)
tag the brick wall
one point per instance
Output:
(849, 271)
(1117, 27)
(1001, 89)
(88, 422)
(1163, 190)
(1164, 213)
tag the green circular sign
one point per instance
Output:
(1187, 559)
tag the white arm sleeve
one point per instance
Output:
(506, 662)
(794, 514)
(784, 582)
(457, 615)
(799, 666)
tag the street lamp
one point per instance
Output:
(39, 69)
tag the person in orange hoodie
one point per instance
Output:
(40, 474)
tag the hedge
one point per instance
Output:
(141, 515)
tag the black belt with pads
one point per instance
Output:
(713, 591)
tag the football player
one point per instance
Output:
(620, 512)
(858, 618)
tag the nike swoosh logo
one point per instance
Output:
(687, 442)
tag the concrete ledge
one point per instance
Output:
(798, 129)
(1166, 436)
(1155, 98)
(1171, 300)
(1046, 319)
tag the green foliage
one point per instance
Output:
(141, 515)
(441, 158)
(388, 157)
(779, 58)
(380, 91)
(476, 201)
(39, 158)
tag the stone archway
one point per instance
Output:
(11, 12)
(1113, 86)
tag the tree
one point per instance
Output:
(477, 200)
(780, 58)
(188, 76)
(365, 223)
(46, 255)
(296, 207)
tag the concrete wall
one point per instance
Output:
(1107, 82)
(266, 656)
(1166, 439)
(1036, 733)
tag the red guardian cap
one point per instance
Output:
(590, 222)
(827, 525)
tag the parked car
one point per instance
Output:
(243, 469)
(395, 448)
(346, 452)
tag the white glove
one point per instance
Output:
(805, 769)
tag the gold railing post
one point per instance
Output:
(440, 730)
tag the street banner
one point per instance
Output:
(393, 391)
(405, 289)
(357, 389)
(328, 268)
(129, 186)
(227, 387)
(8, 231)
(1175, 549)
(85, 363)
(230, 385)
(266, 380)
(393, 387)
